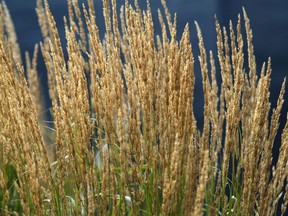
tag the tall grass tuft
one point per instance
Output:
(124, 137)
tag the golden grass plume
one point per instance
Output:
(125, 134)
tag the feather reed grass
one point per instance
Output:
(125, 135)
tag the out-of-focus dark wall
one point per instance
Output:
(269, 20)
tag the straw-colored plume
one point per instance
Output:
(124, 132)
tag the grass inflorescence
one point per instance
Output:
(124, 138)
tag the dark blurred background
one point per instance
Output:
(269, 21)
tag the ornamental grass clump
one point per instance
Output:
(124, 137)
